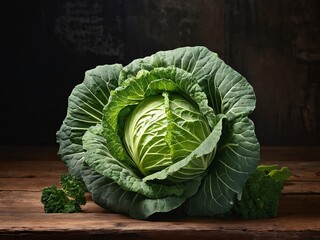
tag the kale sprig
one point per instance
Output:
(68, 199)
(261, 193)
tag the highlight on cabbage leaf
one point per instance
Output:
(167, 131)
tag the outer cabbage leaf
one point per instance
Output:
(236, 158)
(110, 195)
(85, 107)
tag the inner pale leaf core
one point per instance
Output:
(162, 130)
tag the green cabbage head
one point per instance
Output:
(166, 131)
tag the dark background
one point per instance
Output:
(46, 46)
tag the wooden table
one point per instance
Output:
(24, 171)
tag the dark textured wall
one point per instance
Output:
(48, 45)
(276, 45)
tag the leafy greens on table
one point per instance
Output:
(166, 131)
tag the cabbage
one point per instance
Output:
(166, 131)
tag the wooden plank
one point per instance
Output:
(304, 170)
(26, 153)
(35, 183)
(31, 169)
(293, 187)
(22, 215)
(28, 183)
(30, 162)
(29, 201)
(158, 235)
(293, 154)
(295, 226)
(299, 203)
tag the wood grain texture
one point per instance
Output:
(24, 171)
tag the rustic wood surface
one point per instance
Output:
(24, 171)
